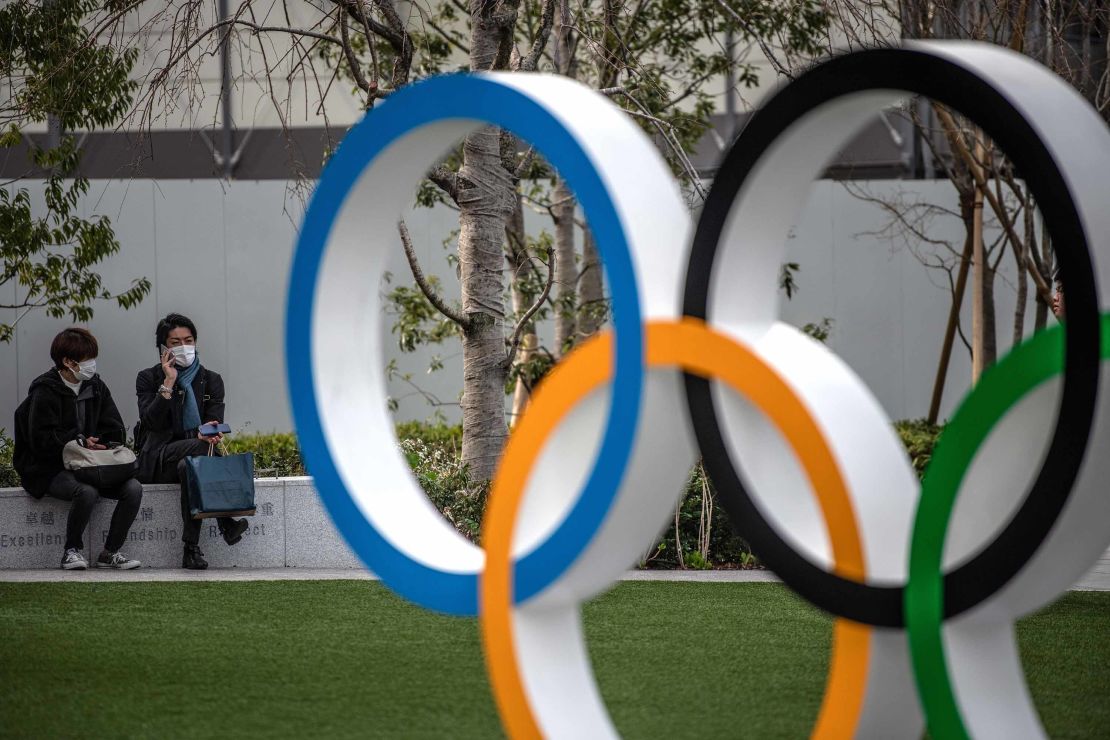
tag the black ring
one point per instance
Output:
(922, 73)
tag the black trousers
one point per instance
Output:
(172, 470)
(128, 496)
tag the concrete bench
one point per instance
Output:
(291, 529)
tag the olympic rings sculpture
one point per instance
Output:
(925, 581)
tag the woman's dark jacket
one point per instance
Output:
(160, 419)
(53, 421)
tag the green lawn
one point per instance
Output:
(347, 658)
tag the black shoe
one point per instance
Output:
(234, 531)
(116, 560)
(193, 558)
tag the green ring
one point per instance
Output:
(1001, 387)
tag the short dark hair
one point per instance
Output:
(75, 344)
(171, 322)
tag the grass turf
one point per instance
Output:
(347, 658)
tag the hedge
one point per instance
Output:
(699, 536)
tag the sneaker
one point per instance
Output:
(193, 559)
(72, 560)
(235, 530)
(116, 560)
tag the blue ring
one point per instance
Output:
(486, 100)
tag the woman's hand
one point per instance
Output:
(169, 369)
(93, 443)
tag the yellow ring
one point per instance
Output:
(692, 346)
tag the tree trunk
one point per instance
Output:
(979, 268)
(984, 344)
(484, 207)
(592, 309)
(485, 190)
(564, 60)
(990, 338)
(953, 315)
(566, 268)
(518, 264)
(1019, 309)
(1022, 278)
(565, 206)
(1040, 319)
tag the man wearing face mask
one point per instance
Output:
(70, 402)
(176, 397)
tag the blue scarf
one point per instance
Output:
(190, 414)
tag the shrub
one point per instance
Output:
(443, 477)
(705, 538)
(275, 455)
(8, 477)
(432, 451)
(919, 437)
(279, 455)
(447, 437)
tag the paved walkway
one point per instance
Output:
(320, 574)
(1098, 579)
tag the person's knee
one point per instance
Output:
(197, 447)
(85, 494)
(181, 469)
(133, 492)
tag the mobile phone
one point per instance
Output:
(211, 430)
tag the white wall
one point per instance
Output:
(889, 311)
(220, 252)
(218, 255)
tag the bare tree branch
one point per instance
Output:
(1043, 287)
(393, 31)
(227, 24)
(446, 35)
(514, 343)
(356, 10)
(429, 398)
(447, 181)
(372, 44)
(547, 20)
(664, 129)
(1031, 252)
(767, 52)
(425, 287)
(352, 60)
(525, 163)
(403, 47)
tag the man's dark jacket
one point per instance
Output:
(53, 421)
(160, 419)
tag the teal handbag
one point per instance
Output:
(220, 485)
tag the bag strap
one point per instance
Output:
(223, 448)
(79, 413)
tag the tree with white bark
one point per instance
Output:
(1069, 37)
(657, 59)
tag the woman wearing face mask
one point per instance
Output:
(176, 397)
(70, 402)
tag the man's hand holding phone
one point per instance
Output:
(212, 432)
(168, 367)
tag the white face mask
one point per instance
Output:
(184, 355)
(85, 370)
